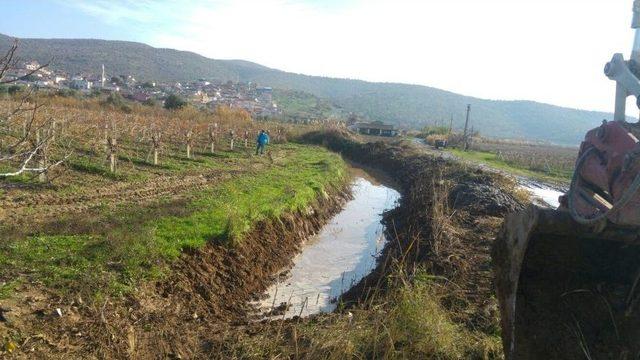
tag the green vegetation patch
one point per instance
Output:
(7, 288)
(133, 249)
(85, 165)
(303, 105)
(133, 166)
(230, 210)
(491, 159)
(56, 259)
(24, 178)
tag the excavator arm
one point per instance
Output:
(568, 279)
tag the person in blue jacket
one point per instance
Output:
(262, 141)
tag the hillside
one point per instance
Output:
(406, 105)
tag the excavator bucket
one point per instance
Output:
(568, 280)
(566, 290)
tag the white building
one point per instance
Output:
(32, 65)
(44, 83)
(80, 84)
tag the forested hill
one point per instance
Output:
(407, 105)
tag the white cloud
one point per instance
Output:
(546, 50)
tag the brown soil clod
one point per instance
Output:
(278, 310)
(482, 199)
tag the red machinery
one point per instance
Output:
(606, 180)
(607, 177)
(568, 280)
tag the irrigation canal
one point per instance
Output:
(338, 257)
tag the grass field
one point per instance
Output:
(544, 163)
(119, 245)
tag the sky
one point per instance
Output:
(551, 51)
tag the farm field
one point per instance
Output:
(109, 221)
(547, 163)
(130, 231)
(165, 241)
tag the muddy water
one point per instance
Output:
(338, 257)
(543, 195)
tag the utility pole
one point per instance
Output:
(451, 125)
(466, 128)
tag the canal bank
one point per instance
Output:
(181, 268)
(431, 294)
(344, 251)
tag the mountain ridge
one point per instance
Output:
(408, 105)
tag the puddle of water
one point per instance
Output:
(342, 254)
(548, 195)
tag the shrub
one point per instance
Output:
(95, 93)
(13, 89)
(150, 102)
(117, 101)
(434, 130)
(174, 102)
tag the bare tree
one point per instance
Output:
(188, 140)
(212, 130)
(9, 61)
(27, 138)
(111, 144)
(156, 136)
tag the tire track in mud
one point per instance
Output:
(40, 207)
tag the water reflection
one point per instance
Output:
(341, 255)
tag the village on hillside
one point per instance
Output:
(257, 100)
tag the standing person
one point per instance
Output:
(262, 141)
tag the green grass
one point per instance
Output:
(85, 165)
(7, 289)
(132, 167)
(24, 178)
(296, 103)
(491, 160)
(139, 247)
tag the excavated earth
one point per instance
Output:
(446, 222)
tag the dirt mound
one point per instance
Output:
(482, 199)
(446, 222)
